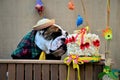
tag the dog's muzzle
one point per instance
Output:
(58, 47)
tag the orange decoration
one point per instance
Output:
(71, 5)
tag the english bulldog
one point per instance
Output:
(46, 36)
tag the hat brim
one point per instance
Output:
(45, 25)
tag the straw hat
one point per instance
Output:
(43, 23)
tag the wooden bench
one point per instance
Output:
(46, 70)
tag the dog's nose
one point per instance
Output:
(66, 33)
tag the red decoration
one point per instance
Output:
(83, 46)
(69, 40)
(96, 43)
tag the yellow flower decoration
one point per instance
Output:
(107, 33)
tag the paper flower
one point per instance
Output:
(107, 33)
(96, 43)
(79, 20)
(69, 40)
(71, 5)
(83, 46)
(83, 43)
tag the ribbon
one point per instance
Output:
(82, 33)
(42, 56)
(76, 60)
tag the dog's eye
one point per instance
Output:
(56, 34)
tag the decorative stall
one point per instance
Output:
(83, 61)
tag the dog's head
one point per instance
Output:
(52, 40)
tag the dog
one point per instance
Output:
(46, 36)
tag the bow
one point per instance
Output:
(75, 60)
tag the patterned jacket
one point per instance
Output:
(27, 49)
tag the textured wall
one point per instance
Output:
(18, 16)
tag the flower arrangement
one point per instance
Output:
(82, 43)
(82, 47)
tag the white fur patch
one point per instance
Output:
(47, 45)
(41, 42)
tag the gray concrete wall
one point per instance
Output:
(18, 16)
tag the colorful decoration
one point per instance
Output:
(107, 33)
(71, 5)
(82, 47)
(39, 6)
(107, 72)
(75, 60)
(79, 20)
(83, 43)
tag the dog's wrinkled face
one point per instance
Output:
(51, 40)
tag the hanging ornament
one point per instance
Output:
(39, 6)
(107, 33)
(108, 73)
(79, 20)
(71, 5)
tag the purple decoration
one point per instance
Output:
(39, 2)
(39, 6)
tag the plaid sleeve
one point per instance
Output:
(26, 48)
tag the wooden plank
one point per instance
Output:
(97, 69)
(88, 71)
(54, 72)
(32, 61)
(37, 72)
(45, 72)
(11, 72)
(20, 72)
(62, 72)
(82, 72)
(3, 71)
(28, 71)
